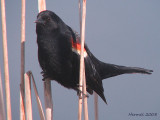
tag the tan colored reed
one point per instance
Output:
(5, 57)
(22, 96)
(82, 80)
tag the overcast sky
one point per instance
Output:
(123, 32)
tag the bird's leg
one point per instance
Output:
(79, 91)
(44, 75)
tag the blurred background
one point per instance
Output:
(117, 31)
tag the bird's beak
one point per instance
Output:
(38, 21)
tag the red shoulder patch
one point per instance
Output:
(76, 47)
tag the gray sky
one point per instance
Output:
(117, 31)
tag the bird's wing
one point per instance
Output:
(93, 79)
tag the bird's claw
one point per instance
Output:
(79, 92)
(44, 75)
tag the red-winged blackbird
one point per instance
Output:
(59, 56)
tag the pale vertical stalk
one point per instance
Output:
(96, 106)
(41, 113)
(84, 78)
(5, 57)
(22, 107)
(28, 97)
(85, 98)
(80, 106)
(81, 77)
(80, 82)
(22, 97)
(80, 15)
(41, 5)
(48, 99)
(2, 110)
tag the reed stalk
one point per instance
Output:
(41, 113)
(96, 106)
(5, 59)
(28, 97)
(2, 110)
(85, 104)
(82, 81)
(41, 5)
(22, 96)
(48, 99)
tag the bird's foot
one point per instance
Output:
(44, 78)
(44, 75)
(80, 93)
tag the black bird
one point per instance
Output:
(59, 56)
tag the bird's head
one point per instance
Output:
(47, 20)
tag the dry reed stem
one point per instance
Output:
(48, 99)
(22, 97)
(22, 109)
(5, 57)
(22, 41)
(41, 5)
(41, 113)
(82, 70)
(28, 97)
(2, 110)
(28, 77)
(96, 106)
(80, 15)
(85, 98)
(84, 78)
(80, 81)
(80, 97)
(80, 109)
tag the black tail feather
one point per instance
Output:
(136, 70)
(110, 70)
(101, 94)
